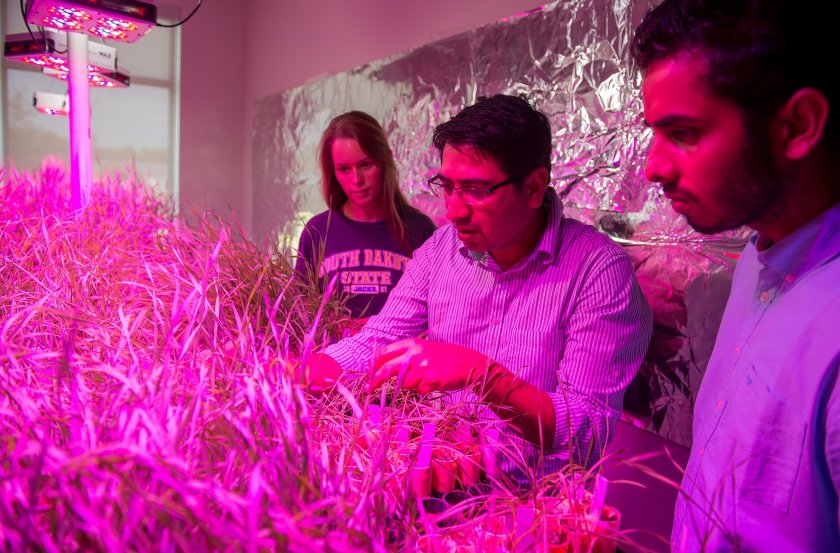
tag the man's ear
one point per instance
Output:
(535, 184)
(800, 122)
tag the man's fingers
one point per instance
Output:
(381, 374)
(318, 386)
(403, 367)
(413, 379)
(392, 351)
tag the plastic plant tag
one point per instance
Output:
(427, 440)
(523, 529)
(402, 434)
(373, 414)
(599, 494)
(421, 481)
(489, 445)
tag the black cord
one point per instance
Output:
(40, 29)
(195, 9)
(23, 15)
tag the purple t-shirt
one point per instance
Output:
(364, 257)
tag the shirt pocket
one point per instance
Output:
(775, 456)
(533, 356)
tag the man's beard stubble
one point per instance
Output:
(753, 191)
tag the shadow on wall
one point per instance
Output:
(646, 512)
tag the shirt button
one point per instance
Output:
(719, 404)
(496, 321)
(764, 296)
(700, 452)
(737, 349)
(789, 278)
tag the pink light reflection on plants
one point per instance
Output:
(145, 377)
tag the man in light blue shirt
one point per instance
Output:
(745, 123)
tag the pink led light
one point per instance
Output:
(50, 111)
(97, 80)
(46, 60)
(104, 32)
(57, 63)
(114, 29)
(61, 24)
(69, 13)
(106, 79)
(120, 24)
(65, 19)
(39, 61)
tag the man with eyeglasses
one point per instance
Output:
(538, 316)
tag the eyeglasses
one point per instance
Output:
(468, 195)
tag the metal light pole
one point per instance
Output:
(80, 141)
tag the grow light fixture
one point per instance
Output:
(51, 103)
(103, 79)
(120, 20)
(52, 52)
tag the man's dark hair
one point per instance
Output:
(507, 128)
(759, 51)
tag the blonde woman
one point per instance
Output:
(369, 232)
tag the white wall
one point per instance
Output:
(236, 52)
(213, 107)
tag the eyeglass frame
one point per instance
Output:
(435, 186)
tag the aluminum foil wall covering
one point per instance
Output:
(570, 58)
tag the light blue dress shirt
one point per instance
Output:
(765, 462)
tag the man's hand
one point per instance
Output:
(320, 373)
(427, 366)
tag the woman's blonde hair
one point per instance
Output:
(370, 135)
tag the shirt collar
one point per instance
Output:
(809, 246)
(549, 243)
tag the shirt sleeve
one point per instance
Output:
(404, 315)
(605, 342)
(832, 430)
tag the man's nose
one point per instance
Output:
(455, 207)
(659, 167)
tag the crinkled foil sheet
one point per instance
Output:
(571, 59)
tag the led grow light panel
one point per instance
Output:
(51, 103)
(120, 20)
(52, 52)
(105, 79)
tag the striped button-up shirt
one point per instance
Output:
(569, 319)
